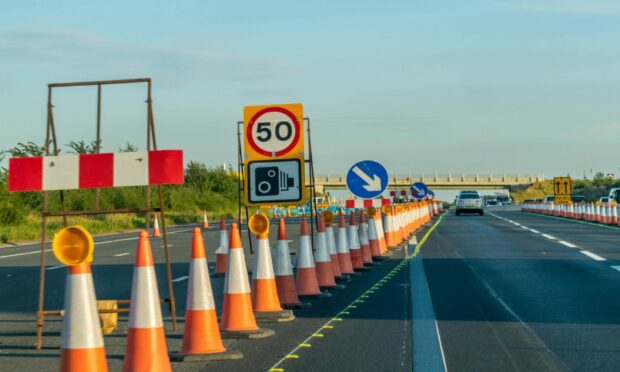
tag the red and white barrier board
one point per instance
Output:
(365, 203)
(88, 171)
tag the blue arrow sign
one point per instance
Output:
(419, 190)
(367, 179)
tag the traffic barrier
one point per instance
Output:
(238, 319)
(344, 255)
(146, 348)
(363, 239)
(221, 253)
(264, 291)
(307, 282)
(355, 251)
(322, 258)
(205, 220)
(285, 281)
(201, 337)
(156, 232)
(82, 347)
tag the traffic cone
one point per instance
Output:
(354, 244)
(285, 282)
(614, 215)
(82, 347)
(333, 254)
(205, 220)
(238, 319)
(364, 243)
(221, 253)
(201, 338)
(344, 255)
(307, 282)
(380, 232)
(156, 233)
(323, 262)
(373, 240)
(264, 291)
(390, 234)
(146, 348)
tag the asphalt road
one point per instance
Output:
(516, 291)
(370, 327)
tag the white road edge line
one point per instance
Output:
(568, 244)
(549, 236)
(121, 254)
(615, 267)
(180, 279)
(535, 231)
(593, 256)
(55, 267)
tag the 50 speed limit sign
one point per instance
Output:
(274, 156)
(273, 131)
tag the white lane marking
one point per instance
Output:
(535, 231)
(55, 267)
(549, 236)
(121, 254)
(615, 267)
(516, 224)
(593, 256)
(568, 244)
(96, 243)
(180, 279)
(525, 227)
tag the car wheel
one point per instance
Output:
(481, 213)
(458, 213)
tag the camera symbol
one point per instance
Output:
(271, 180)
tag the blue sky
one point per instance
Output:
(423, 87)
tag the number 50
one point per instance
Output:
(283, 131)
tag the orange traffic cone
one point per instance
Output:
(307, 282)
(322, 259)
(264, 291)
(355, 250)
(237, 316)
(201, 338)
(364, 243)
(205, 220)
(380, 232)
(221, 253)
(146, 348)
(344, 255)
(333, 253)
(285, 282)
(156, 227)
(373, 240)
(82, 346)
(390, 233)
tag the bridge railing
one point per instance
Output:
(463, 178)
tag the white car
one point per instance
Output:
(469, 202)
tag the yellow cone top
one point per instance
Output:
(258, 224)
(73, 245)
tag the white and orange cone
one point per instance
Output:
(307, 282)
(322, 259)
(342, 245)
(354, 244)
(205, 220)
(156, 232)
(201, 338)
(264, 291)
(363, 238)
(82, 347)
(380, 232)
(333, 254)
(614, 214)
(221, 253)
(373, 240)
(146, 348)
(238, 319)
(285, 281)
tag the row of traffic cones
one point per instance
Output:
(357, 247)
(606, 213)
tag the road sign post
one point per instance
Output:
(562, 190)
(367, 179)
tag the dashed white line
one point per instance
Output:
(568, 244)
(535, 231)
(549, 236)
(615, 267)
(525, 227)
(55, 267)
(121, 254)
(593, 256)
(180, 279)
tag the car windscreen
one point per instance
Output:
(469, 196)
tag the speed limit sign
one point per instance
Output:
(274, 157)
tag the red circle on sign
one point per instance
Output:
(285, 150)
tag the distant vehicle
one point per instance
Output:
(614, 194)
(504, 200)
(469, 202)
(604, 200)
(525, 201)
(489, 200)
(538, 200)
(548, 199)
(577, 198)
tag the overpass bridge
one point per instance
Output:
(439, 181)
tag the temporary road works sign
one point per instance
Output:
(274, 154)
(562, 190)
(367, 179)
(419, 190)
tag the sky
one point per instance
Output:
(477, 86)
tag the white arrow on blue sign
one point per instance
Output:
(367, 179)
(419, 190)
